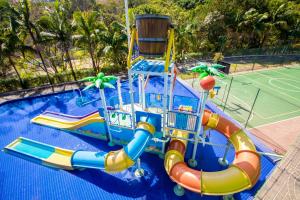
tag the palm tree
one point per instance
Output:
(114, 39)
(101, 81)
(57, 27)
(255, 25)
(12, 40)
(206, 73)
(36, 38)
(185, 33)
(10, 44)
(87, 26)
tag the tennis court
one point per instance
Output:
(278, 99)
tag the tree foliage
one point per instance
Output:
(53, 34)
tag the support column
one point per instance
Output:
(192, 162)
(165, 108)
(139, 172)
(178, 190)
(140, 89)
(120, 93)
(131, 93)
(171, 89)
(228, 197)
(143, 92)
(106, 116)
(222, 161)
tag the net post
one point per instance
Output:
(228, 93)
(258, 91)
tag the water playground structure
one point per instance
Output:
(160, 123)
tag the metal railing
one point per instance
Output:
(182, 120)
(118, 118)
(154, 100)
(186, 101)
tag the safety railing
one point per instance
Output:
(118, 118)
(182, 120)
(115, 103)
(154, 100)
(185, 101)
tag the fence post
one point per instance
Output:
(253, 65)
(228, 94)
(252, 107)
(224, 93)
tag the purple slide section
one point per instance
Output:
(66, 117)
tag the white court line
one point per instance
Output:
(278, 87)
(273, 116)
(287, 75)
(259, 115)
(282, 114)
(274, 122)
(269, 77)
(271, 87)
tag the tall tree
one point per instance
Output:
(12, 41)
(57, 27)
(87, 27)
(255, 24)
(34, 34)
(114, 39)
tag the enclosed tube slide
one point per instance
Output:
(113, 161)
(116, 161)
(242, 174)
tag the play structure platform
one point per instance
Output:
(163, 123)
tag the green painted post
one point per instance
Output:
(253, 65)
(252, 107)
(228, 94)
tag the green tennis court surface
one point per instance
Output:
(279, 96)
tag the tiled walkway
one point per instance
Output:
(278, 135)
(284, 183)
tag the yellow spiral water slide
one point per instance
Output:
(242, 174)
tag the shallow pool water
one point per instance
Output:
(21, 179)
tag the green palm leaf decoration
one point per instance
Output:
(204, 70)
(100, 81)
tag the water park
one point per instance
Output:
(149, 136)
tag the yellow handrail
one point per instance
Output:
(170, 42)
(132, 38)
(173, 52)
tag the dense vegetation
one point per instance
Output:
(65, 40)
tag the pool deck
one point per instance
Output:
(284, 183)
(8, 96)
(278, 136)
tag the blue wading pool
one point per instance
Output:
(20, 179)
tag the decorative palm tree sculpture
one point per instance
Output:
(207, 82)
(206, 73)
(101, 81)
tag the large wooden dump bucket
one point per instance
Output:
(152, 34)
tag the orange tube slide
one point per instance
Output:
(242, 174)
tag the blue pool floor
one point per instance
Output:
(21, 179)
